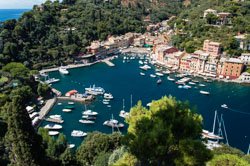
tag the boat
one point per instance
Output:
(224, 106)
(123, 114)
(63, 70)
(78, 133)
(109, 106)
(180, 86)
(149, 104)
(145, 67)
(55, 116)
(108, 96)
(88, 117)
(113, 123)
(186, 87)
(192, 83)
(202, 85)
(166, 72)
(53, 133)
(170, 79)
(70, 106)
(159, 81)
(204, 92)
(105, 102)
(140, 62)
(66, 110)
(157, 70)
(95, 90)
(71, 146)
(86, 121)
(152, 75)
(141, 73)
(53, 126)
(159, 74)
(90, 113)
(195, 81)
(71, 103)
(71, 93)
(52, 80)
(59, 103)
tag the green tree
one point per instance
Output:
(211, 18)
(43, 90)
(68, 158)
(228, 160)
(170, 129)
(102, 159)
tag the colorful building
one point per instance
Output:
(212, 48)
(230, 68)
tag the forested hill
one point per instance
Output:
(54, 32)
(193, 28)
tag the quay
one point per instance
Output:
(135, 50)
(46, 108)
(108, 63)
(77, 99)
(57, 92)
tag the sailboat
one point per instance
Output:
(123, 113)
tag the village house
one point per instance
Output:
(245, 58)
(139, 41)
(172, 58)
(244, 77)
(212, 48)
(198, 61)
(230, 68)
(185, 63)
(209, 11)
(244, 44)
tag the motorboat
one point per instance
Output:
(152, 75)
(109, 106)
(53, 126)
(186, 87)
(108, 96)
(90, 113)
(180, 86)
(224, 106)
(210, 135)
(202, 85)
(204, 92)
(166, 72)
(63, 70)
(55, 116)
(71, 146)
(141, 73)
(170, 79)
(145, 67)
(71, 103)
(113, 123)
(53, 133)
(192, 83)
(89, 117)
(195, 81)
(33, 115)
(105, 102)
(157, 70)
(149, 104)
(159, 81)
(159, 74)
(66, 110)
(86, 121)
(78, 133)
(59, 103)
(52, 80)
(123, 114)
(140, 62)
(95, 90)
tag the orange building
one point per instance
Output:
(231, 68)
(212, 48)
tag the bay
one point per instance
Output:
(6, 14)
(124, 79)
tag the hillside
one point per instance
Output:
(192, 28)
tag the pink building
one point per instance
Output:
(212, 48)
(185, 63)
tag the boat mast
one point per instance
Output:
(131, 101)
(248, 150)
(222, 120)
(215, 115)
(112, 117)
(123, 106)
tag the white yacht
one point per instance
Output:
(192, 83)
(170, 79)
(202, 85)
(53, 126)
(71, 146)
(86, 121)
(159, 74)
(71, 103)
(105, 102)
(224, 106)
(95, 90)
(113, 123)
(141, 73)
(90, 113)
(159, 81)
(145, 67)
(66, 110)
(108, 96)
(52, 80)
(152, 75)
(123, 114)
(186, 87)
(204, 92)
(78, 133)
(88, 117)
(140, 62)
(53, 133)
(63, 70)
(55, 116)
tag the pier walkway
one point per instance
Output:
(46, 108)
(108, 62)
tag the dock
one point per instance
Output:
(108, 63)
(57, 92)
(46, 108)
(54, 120)
(77, 99)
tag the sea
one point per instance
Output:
(125, 82)
(6, 14)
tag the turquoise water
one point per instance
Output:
(124, 79)
(6, 14)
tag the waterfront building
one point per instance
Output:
(185, 63)
(212, 48)
(97, 48)
(245, 58)
(244, 77)
(198, 61)
(230, 68)
(244, 43)
(139, 41)
(209, 11)
(172, 58)
(86, 58)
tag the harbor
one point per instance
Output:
(124, 80)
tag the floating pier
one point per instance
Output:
(108, 63)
